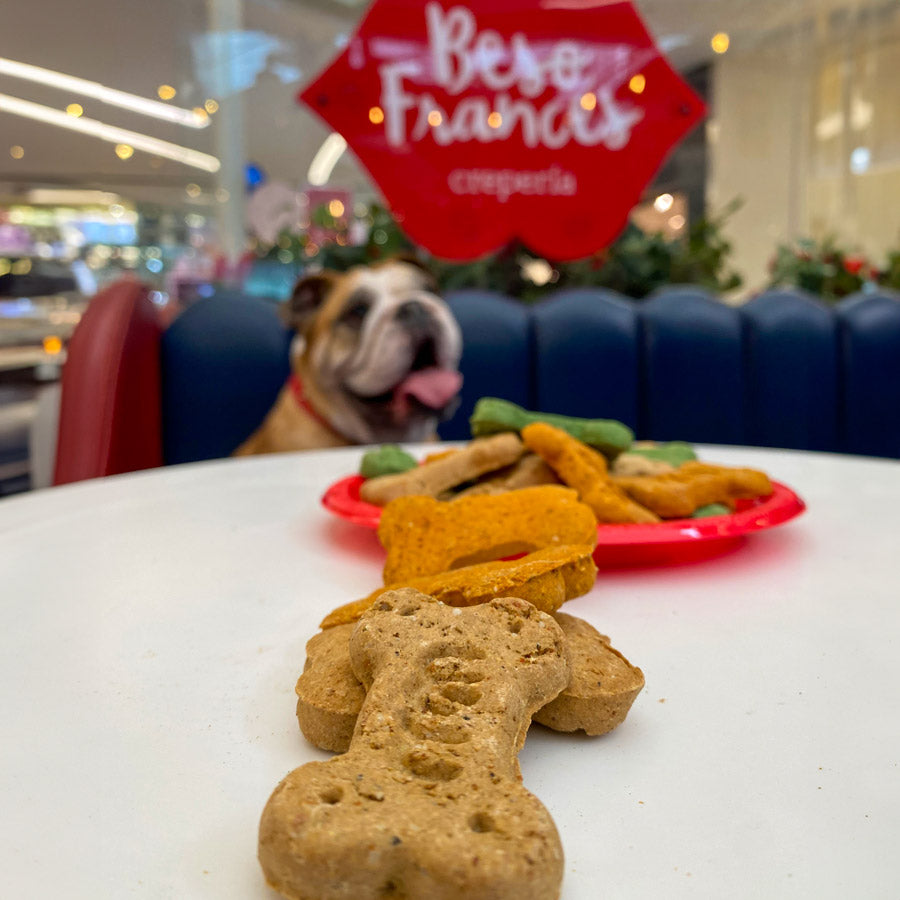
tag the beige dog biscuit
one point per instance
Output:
(529, 471)
(430, 478)
(545, 578)
(329, 695)
(424, 536)
(427, 802)
(597, 699)
(603, 685)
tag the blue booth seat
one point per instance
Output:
(692, 387)
(497, 354)
(224, 360)
(586, 344)
(790, 371)
(784, 370)
(869, 330)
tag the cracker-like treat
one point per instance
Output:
(529, 471)
(428, 800)
(677, 494)
(634, 465)
(329, 695)
(545, 578)
(583, 468)
(603, 684)
(431, 478)
(424, 536)
(599, 694)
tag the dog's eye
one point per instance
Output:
(355, 313)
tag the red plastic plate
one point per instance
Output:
(677, 540)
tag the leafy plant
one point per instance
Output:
(830, 271)
(634, 265)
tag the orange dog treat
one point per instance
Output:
(584, 469)
(424, 536)
(545, 578)
(677, 494)
(429, 479)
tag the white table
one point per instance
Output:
(152, 627)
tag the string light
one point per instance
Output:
(589, 101)
(124, 151)
(166, 92)
(75, 110)
(637, 83)
(720, 42)
(376, 115)
(17, 151)
(495, 120)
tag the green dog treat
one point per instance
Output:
(674, 452)
(492, 415)
(711, 509)
(389, 459)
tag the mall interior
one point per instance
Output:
(164, 144)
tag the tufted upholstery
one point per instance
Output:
(790, 372)
(784, 370)
(496, 351)
(224, 360)
(586, 355)
(869, 382)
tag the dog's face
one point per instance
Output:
(380, 349)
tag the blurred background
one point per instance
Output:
(164, 140)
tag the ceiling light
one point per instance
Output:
(211, 106)
(663, 203)
(70, 197)
(16, 151)
(75, 110)
(325, 160)
(166, 92)
(110, 133)
(123, 99)
(124, 151)
(720, 42)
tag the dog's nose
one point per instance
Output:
(412, 312)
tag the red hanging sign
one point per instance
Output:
(542, 120)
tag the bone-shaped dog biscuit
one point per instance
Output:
(601, 690)
(445, 472)
(545, 578)
(424, 536)
(583, 468)
(692, 485)
(428, 801)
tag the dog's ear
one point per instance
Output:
(308, 295)
(411, 259)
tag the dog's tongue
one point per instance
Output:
(433, 388)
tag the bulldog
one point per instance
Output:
(375, 360)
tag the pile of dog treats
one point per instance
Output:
(426, 687)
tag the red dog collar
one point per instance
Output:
(297, 390)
